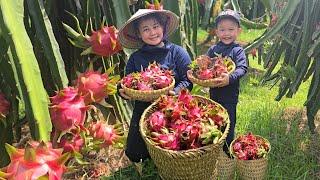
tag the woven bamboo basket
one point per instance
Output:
(210, 82)
(190, 164)
(252, 169)
(226, 166)
(149, 95)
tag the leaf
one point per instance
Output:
(34, 94)
(50, 45)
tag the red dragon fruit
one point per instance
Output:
(4, 106)
(152, 78)
(250, 147)
(68, 109)
(156, 5)
(104, 42)
(162, 81)
(108, 134)
(184, 122)
(157, 121)
(37, 161)
(143, 87)
(205, 74)
(166, 141)
(74, 144)
(93, 86)
(191, 132)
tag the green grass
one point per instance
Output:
(291, 155)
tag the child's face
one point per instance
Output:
(151, 32)
(227, 31)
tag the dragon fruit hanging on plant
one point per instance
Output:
(156, 5)
(184, 122)
(67, 109)
(103, 42)
(4, 106)
(36, 161)
(107, 135)
(95, 86)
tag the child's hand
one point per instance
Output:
(124, 95)
(222, 81)
(171, 93)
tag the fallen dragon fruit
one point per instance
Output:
(152, 78)
(4, 106)
(67, 109)
(36, 161)
(250, 147)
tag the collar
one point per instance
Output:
(233, 44)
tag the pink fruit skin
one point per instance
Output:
(93, 86)
(102, 131)
(68, 109)
(104, 42)
(45, 163)
(157, 121)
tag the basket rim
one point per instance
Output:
(149, 91)
(210, 146)
(258, 136)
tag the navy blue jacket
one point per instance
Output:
(170, 56)
(229, 93)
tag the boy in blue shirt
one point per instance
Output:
(147, 30)
(226, 91)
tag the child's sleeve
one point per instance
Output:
(183, 60)
(241, 65)
(130, 66)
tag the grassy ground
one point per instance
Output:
(293, 153)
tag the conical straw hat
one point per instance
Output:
(128, 34)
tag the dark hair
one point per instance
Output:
(157, 17)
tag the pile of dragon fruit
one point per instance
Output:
(152, 78)
(205, 68)
(183, 122)
(250, 147)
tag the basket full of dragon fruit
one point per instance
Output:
(184, 135)
(148, 84)
(251, 153)
(204, 70)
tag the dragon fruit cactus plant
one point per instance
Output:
(205, 68)
(4, 106)
(250, 147)
(36, 161)
(152, 78)
(183, 122)
(67, 109)
(104, 42)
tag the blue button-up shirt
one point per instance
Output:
(229, 93)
